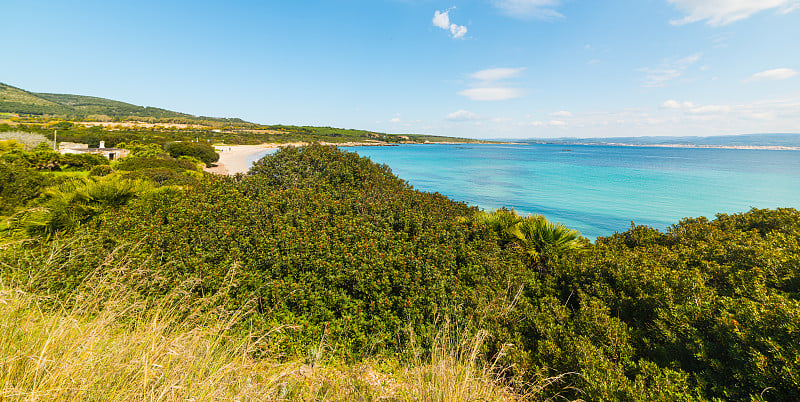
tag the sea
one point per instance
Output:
(599, 190)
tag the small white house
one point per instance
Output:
(76, 148)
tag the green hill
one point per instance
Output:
(20, 101)
(90, 105)
(15, 100)
(41, 108)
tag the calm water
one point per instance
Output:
(597, 189)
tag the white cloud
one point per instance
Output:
(673, 104)
(492, 94)
(462, 115)
(526, 9)
(496, 74)
(441, 19)
(562, 113)
(488, 88)
(557, 123)
(667, 71)
(710, 109)
(395, 120)
(774, 74)
(691, 108)
(458, 31)
(723, 12)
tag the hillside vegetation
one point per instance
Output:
(319, 255)
(88, 119)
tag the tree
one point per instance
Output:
(200, 150)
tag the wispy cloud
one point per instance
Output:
(492, 94)
(772, 75)
(529, 9)
(691, 108)
(496, 74)
(673, 104)
(561, 113)
(723, 12)
(462, 115)
(489, 86)
(441, 19)
(710, 109)
(667, 71)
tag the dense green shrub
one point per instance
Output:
(355, 251)
(71, 162)
(101, 170)
(43, 158)
(199, 150)
(136, 163)
(11, 145)
(18, 186)
(142, 150)
(162, 176)
(710, 308)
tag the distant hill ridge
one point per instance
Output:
(38, 110)
(789, 140)
(20, 101)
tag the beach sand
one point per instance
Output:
(233, 158)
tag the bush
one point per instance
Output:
(136, 163)
(72, 162)
(142, 150)
(199, 150)
(10, 145)
(18, 186)
(162, 176)
(360, 264)
(101, 170)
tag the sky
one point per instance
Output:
(477, 69)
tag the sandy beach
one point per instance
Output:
(233, 158)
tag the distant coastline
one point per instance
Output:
(765, 141)
(694, 146)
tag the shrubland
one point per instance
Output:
(320, 256)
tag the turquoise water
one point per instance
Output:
(600, 189)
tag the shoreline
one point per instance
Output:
(689, 146)
(233, 158)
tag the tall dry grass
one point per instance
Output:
(69, 354)
(106, 342)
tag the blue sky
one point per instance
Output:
(480, 68)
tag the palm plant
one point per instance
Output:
(542, 240)
(70, 204)
(539, 239)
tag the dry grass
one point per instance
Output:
(134, 353)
